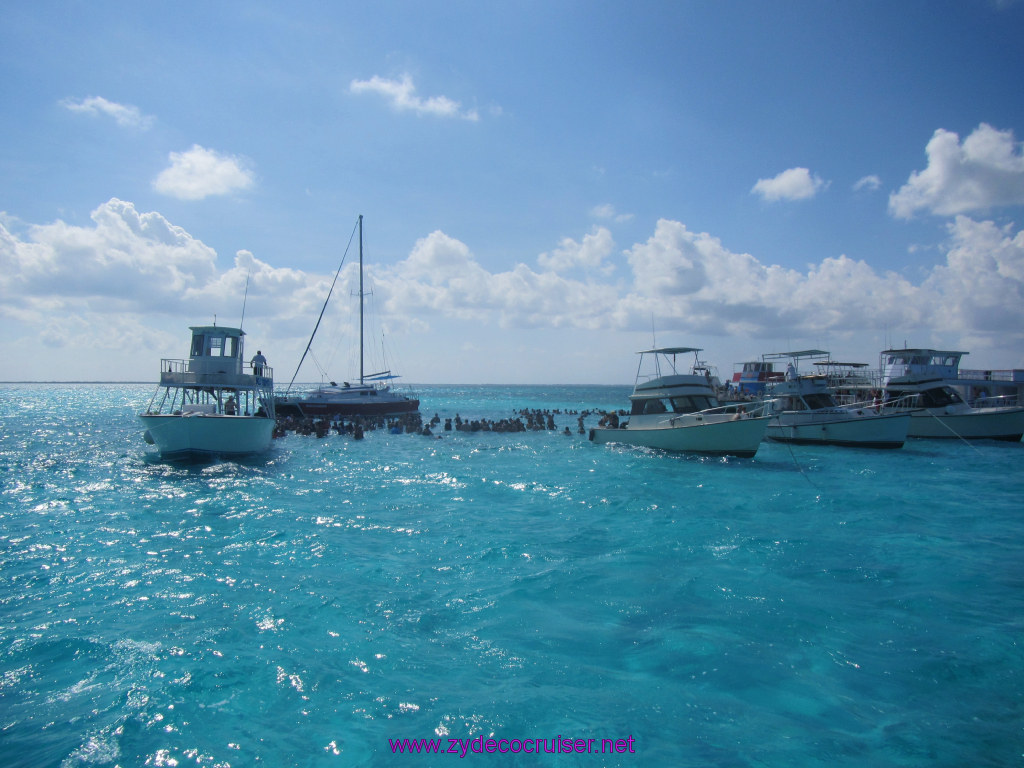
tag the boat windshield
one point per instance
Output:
(939, 397)
(693, 403)
(683, 404)
(820, 400)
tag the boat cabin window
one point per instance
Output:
(684, 404)
(214, 346)
(903, 399)
(793, 404)
(692, 404)
(939, 397)
(820, 400)
(647, 406)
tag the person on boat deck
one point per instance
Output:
(258, 361)
(790, 372)
(229, 406)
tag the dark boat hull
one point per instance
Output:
(346, 409)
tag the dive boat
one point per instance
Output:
(803, 409)
(214, 404)
(754, 377)
(923, 381)
(371, 396)
(680, 412)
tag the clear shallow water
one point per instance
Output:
(811, 606)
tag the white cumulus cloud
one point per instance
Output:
(589, 254)
(132, 278)
(793, 184)
(198, 173)
(402, 95)
(983, 172)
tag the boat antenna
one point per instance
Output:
(324, 307)
(245, 298)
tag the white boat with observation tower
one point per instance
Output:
(680, 412)
(214, 404)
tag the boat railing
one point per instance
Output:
(735, 410)
(176, 373)
(903, 404)
(1014, 376)
(849, 402)
(997, 401)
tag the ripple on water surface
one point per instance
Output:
(806, 607)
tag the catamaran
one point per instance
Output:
(371, 396)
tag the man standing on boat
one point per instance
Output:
(258, 361)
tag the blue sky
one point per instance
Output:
(546, 186)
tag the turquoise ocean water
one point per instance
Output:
(808, 607)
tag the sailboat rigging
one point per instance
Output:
(370, 397)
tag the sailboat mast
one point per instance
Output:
(360, 299)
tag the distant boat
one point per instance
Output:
(213, 404)
(924, 381)
(680, 412)
(803, 409)
(371, 396)
(754, 377)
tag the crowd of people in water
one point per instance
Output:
(522, 420)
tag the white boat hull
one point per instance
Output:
(969, 424)
(860, 428)
(207, 435)
(710, 437)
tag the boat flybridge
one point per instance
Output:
(925, 381)
(214, 404)
(676, 411)
(803, 409)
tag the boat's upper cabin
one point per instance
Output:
(216, 349)
(806, 401)
(753, 377)
(920, 363)
(756, 375)
(929, 397)
(756, 369)
(660, 388)
(677, 404)
(806, 393)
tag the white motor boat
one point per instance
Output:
(371, 396)
(922, 380)
(680, 412)
(213, 404)
(803, 409)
